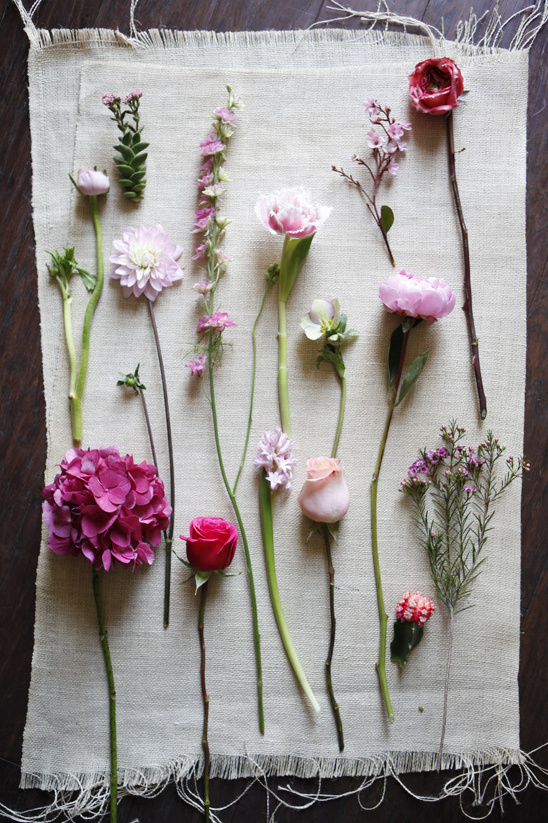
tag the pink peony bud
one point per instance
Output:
(211, 544)
(415, 608)
(436, 85)
(92, 182)
(324, 497)
(416, 296)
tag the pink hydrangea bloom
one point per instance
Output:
(275, 456)
(106, 507)
(415, 608)
(197, 365)
(145, 262)
(291, 212)
(219, 321)
(416, 296)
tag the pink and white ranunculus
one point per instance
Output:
(415, 296)
(145, 261)
(291, 212)
(324, 497)
(106, 507)
(436, 85)
(92, 182)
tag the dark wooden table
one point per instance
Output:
(22, 423)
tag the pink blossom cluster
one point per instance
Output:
(275, 456)
(389, 140)
(110, 98)
(291, 212)
(415, 608)
(106, 507)
(218, 321)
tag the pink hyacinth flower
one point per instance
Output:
(291, 212)
(145, 261)
(415, 296)
(275, 456)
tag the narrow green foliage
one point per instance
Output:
(63, 266)
(131, 151)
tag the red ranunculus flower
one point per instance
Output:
(211, 544)
(436, 85)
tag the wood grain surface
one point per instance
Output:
(22, 420)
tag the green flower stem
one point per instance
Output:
(341, 416)
(253, 371)
(232, 497)
(112, 699)
(205, 697)
(283, 393)
(383, 617)
(76, 405)
(267, 529)
(328, 678)
(69, 338)
(169, 538)
(149, 430)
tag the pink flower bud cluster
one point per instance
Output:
(106, 507)
(388, 140)
(415, 608)
(275, 456)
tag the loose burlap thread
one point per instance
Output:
(298, 120)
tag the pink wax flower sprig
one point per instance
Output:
(90, 183)
(210, 548)
(131, 148)
(386, 140)
(210, 226)
(452, 491)
(274, 459)
(412, 613)
(415, 298)
(436, 87)
(108, 509)
(146, 262)
(292, 214)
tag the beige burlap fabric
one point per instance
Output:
(304, 96)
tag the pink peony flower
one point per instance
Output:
(106, 507)
(436, 85)
(219, 321)
(275, 456)
(324, 497)
(92, 182)
(415, 608)
(211, 544)
(416, 296)
(291, 212)
(145, 262)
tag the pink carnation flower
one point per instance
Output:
(291, 212)
(145, 262)
(219, 321)
(416, 296)
(275, 456)
(415, 608)
(106, 507)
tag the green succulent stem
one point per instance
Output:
(76, 401)
(103, 635)
(267, 529)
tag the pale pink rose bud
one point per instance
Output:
(324, 497)
(92, 182)
(415, 296)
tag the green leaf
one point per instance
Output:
(412, 374)
(139, 159)
(127, 138)
(201, 578)
(126, 184)
(125, 151)
(387, 218)
(138, 187)
(394, 353)
(88, 279)
(123, 169)
(333, 529)
(407, 635)
(295, 252)
(138, 146)
(131, 195)
(137, 176)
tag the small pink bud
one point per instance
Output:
(92, 182)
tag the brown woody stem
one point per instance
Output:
(205, 697)
(328, 678)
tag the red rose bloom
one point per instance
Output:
(436, 85)
(211, 544)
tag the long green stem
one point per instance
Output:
(329, 659)
(252, 396)
(383, 617)
(267, 528)
(169, 538)
(341, 417)
(111, 696)
(205, 698)
(149, 427)
(76, 406)
(256, 633)
(71, 350)
(283, 391)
